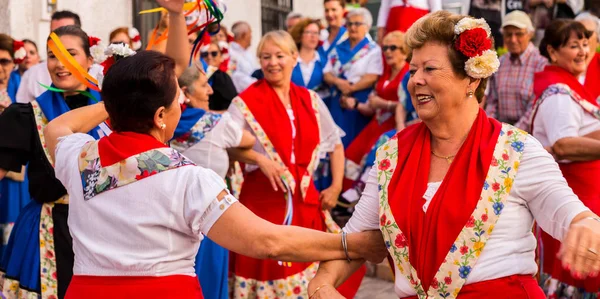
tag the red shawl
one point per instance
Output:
(390, 91)
(270, 113)
(119, 146)
(431, 235)
(553, 75)
(592, 78)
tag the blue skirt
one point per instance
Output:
(14, 196)
(212, 268)
(21, 260)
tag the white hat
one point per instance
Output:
(518, 19)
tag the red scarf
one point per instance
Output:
(553, 75)
(119, 146)
(390, 91)
(431, 235)
(592, 78)
(270, 113)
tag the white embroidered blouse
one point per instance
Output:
(539, 192)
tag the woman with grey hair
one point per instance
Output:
(592, 23)
(204, 136)
(356, 65)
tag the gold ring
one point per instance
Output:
(592, 251)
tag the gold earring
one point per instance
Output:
(163, 126)
(470, 93)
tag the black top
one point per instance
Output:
(20, 144)
(223, 91)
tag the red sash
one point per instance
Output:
(592, 78)
(430, 235)
(402, 17)
(364, 142)
(553, 75)
(168, 287)
(268, 110)
(119, 146)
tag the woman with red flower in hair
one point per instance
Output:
(456, 195)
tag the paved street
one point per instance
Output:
(374, 288)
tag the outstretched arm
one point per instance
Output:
(177, 42)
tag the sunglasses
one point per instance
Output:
(212, 53)
(5, 62)
(391, 48)
(357, 24)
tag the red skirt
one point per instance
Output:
(260, 198)
(402, 17)
(515, 286)
(582, 178)
(100, 287)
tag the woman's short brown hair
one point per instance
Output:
(438, 27)
(298, 30)
(119, 30)
(342, 2)
(559, 32)
(6, 44)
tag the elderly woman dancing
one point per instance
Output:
(456, 195)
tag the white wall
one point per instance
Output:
(310, 8)
(98, 17)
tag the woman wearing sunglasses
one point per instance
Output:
(223, 89)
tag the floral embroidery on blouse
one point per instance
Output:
(471, 241)
(560, 88)
(291, 287)
(204, 125)
(97, 179)
(339, 68)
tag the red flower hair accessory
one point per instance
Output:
(94, 41)
(19, 50)
(474, 41)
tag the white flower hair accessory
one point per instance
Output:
(136, 39)
(474, 40)
(120, 49)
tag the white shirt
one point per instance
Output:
(539, 192)
(211, 151)
(245, 64)
(372, 63)
(387, 5)
(325, 38)
(30, 89)
(560, 117)
(307, 68)
(330, 134)
(151, 227)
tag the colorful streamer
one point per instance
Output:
(83, 92)
(59, 51)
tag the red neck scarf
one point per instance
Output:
(592, 78)
(431, 235)
(390, 91)
(554, 75)
(119, 146)
(270, 113)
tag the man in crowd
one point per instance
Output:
(243, 62)
(30, 88)
(510, 95)
(292, 19)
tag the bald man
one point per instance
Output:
(242, 62)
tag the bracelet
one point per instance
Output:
(345, 245)
(592, 218)
(318, 289)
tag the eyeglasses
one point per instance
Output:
(391, 48)
(6, 62)
(357, 24)
(313, 33)
(212, 53)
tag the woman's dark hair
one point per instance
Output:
(135, 87)
(65, 14)
(298, 30)
(74, 30)
(557, 34)
(28, 41)
(6, 44)
(342, 2)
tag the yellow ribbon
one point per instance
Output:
(58, 49)
(186, 6)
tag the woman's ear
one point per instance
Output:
(159, 121)
(474, 84)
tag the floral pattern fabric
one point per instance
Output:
(11, 290)
(469, 244)
(291, 287)
(560, 88)
(204, 125)
(97, 179)
(339, 68)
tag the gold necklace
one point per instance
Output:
(448, 159)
